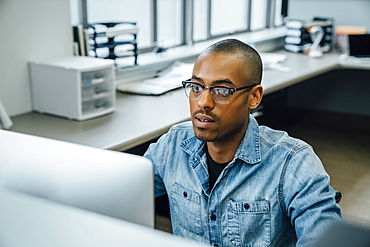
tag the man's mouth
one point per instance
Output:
(206, 119)
(203, 121)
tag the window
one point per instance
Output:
(169, 19)
(138, 11)
(229, 16)
(200, 21)
(169, 23)
(259, 11)
(280, 6)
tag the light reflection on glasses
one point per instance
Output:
(220, 94)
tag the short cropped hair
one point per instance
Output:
(250, 56)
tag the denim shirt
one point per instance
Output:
(275, 192)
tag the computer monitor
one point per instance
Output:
(359, 45)
(102, 181)
(35, 222)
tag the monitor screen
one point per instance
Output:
(359, 45)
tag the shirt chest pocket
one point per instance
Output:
(187, 209)
(249, 223)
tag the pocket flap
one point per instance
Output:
(249, 207)
(185, 193)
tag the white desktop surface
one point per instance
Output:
(35, 222)
(301, 67)
(138, 119)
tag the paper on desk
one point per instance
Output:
(165, 80)
(274, 61)
(173, 75)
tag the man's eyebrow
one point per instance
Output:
(224, 81)
(217, 82)
(196, 78)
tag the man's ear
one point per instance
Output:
(255, 96)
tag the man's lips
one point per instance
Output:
(203, 121)
(204, 118)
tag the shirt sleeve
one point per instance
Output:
(157, 153)
(306, 194)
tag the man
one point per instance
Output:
(231, 182)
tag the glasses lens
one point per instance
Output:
(193, 90)
(221, 95)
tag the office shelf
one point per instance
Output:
(113, 40)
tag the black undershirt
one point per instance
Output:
(214, 170)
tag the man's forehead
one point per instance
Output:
(219, 59)
(214, 67)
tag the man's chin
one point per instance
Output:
(204, 136)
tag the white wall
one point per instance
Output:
(345, 12)
(29, 29)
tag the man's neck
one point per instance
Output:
(222, 153)
(224, 150)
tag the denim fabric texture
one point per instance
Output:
(275, 192)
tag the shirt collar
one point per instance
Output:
(248, 151)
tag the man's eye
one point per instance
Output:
(196, 89)
(222, 92)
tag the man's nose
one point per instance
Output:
(206, 101)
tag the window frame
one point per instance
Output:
(187, 25)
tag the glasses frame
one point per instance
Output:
(231, 89)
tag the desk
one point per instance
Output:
(139, 119)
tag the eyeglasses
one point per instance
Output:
(220, 94)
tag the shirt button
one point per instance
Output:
(246, 206)
(185, 194)
(213, 217)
